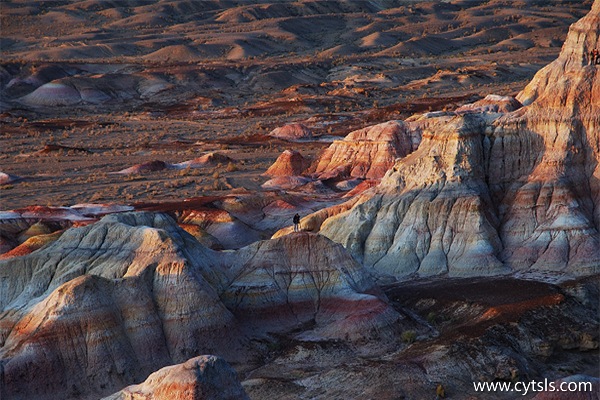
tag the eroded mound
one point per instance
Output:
(200, 378)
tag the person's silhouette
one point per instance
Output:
(296, 223)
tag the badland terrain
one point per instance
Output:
(443, 155)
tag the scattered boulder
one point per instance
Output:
(200, 378)
(207, 159)
(6, 179)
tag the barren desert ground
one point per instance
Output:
(171, 81)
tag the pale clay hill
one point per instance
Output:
(490, 192)
(136, 293)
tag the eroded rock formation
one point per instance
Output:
(289, 163)
(489, 192)
(369, 152)
(114, 301)
(211, 158)
(292, 132)
(200, 378)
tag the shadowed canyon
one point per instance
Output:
(443, 158)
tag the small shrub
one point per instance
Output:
(409, 336)
(431, 317)
(231, 167)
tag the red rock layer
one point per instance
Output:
(368, 152)
(289, 163)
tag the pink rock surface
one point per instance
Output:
(368, 152)
(289, 163)
(292, 132)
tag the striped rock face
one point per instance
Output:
(369, 152)
(289, 163)
(114, 301)
(493, 192)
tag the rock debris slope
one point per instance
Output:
(489, 191)
(114, 301)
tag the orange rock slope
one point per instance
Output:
(368, 152)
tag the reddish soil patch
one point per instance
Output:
(491, 292)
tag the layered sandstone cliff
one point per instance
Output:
(490, 191)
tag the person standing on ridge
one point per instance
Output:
(296, 223)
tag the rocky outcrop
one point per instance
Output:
(114, 301)
(292, 132)
(430, 214)
(109, 303)
(200, 378)
(492, 104)
(286, 170)
(551, 209)
(303, 277)
(489, 192)
(207, 159)
(289, 163)
(368, 152)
